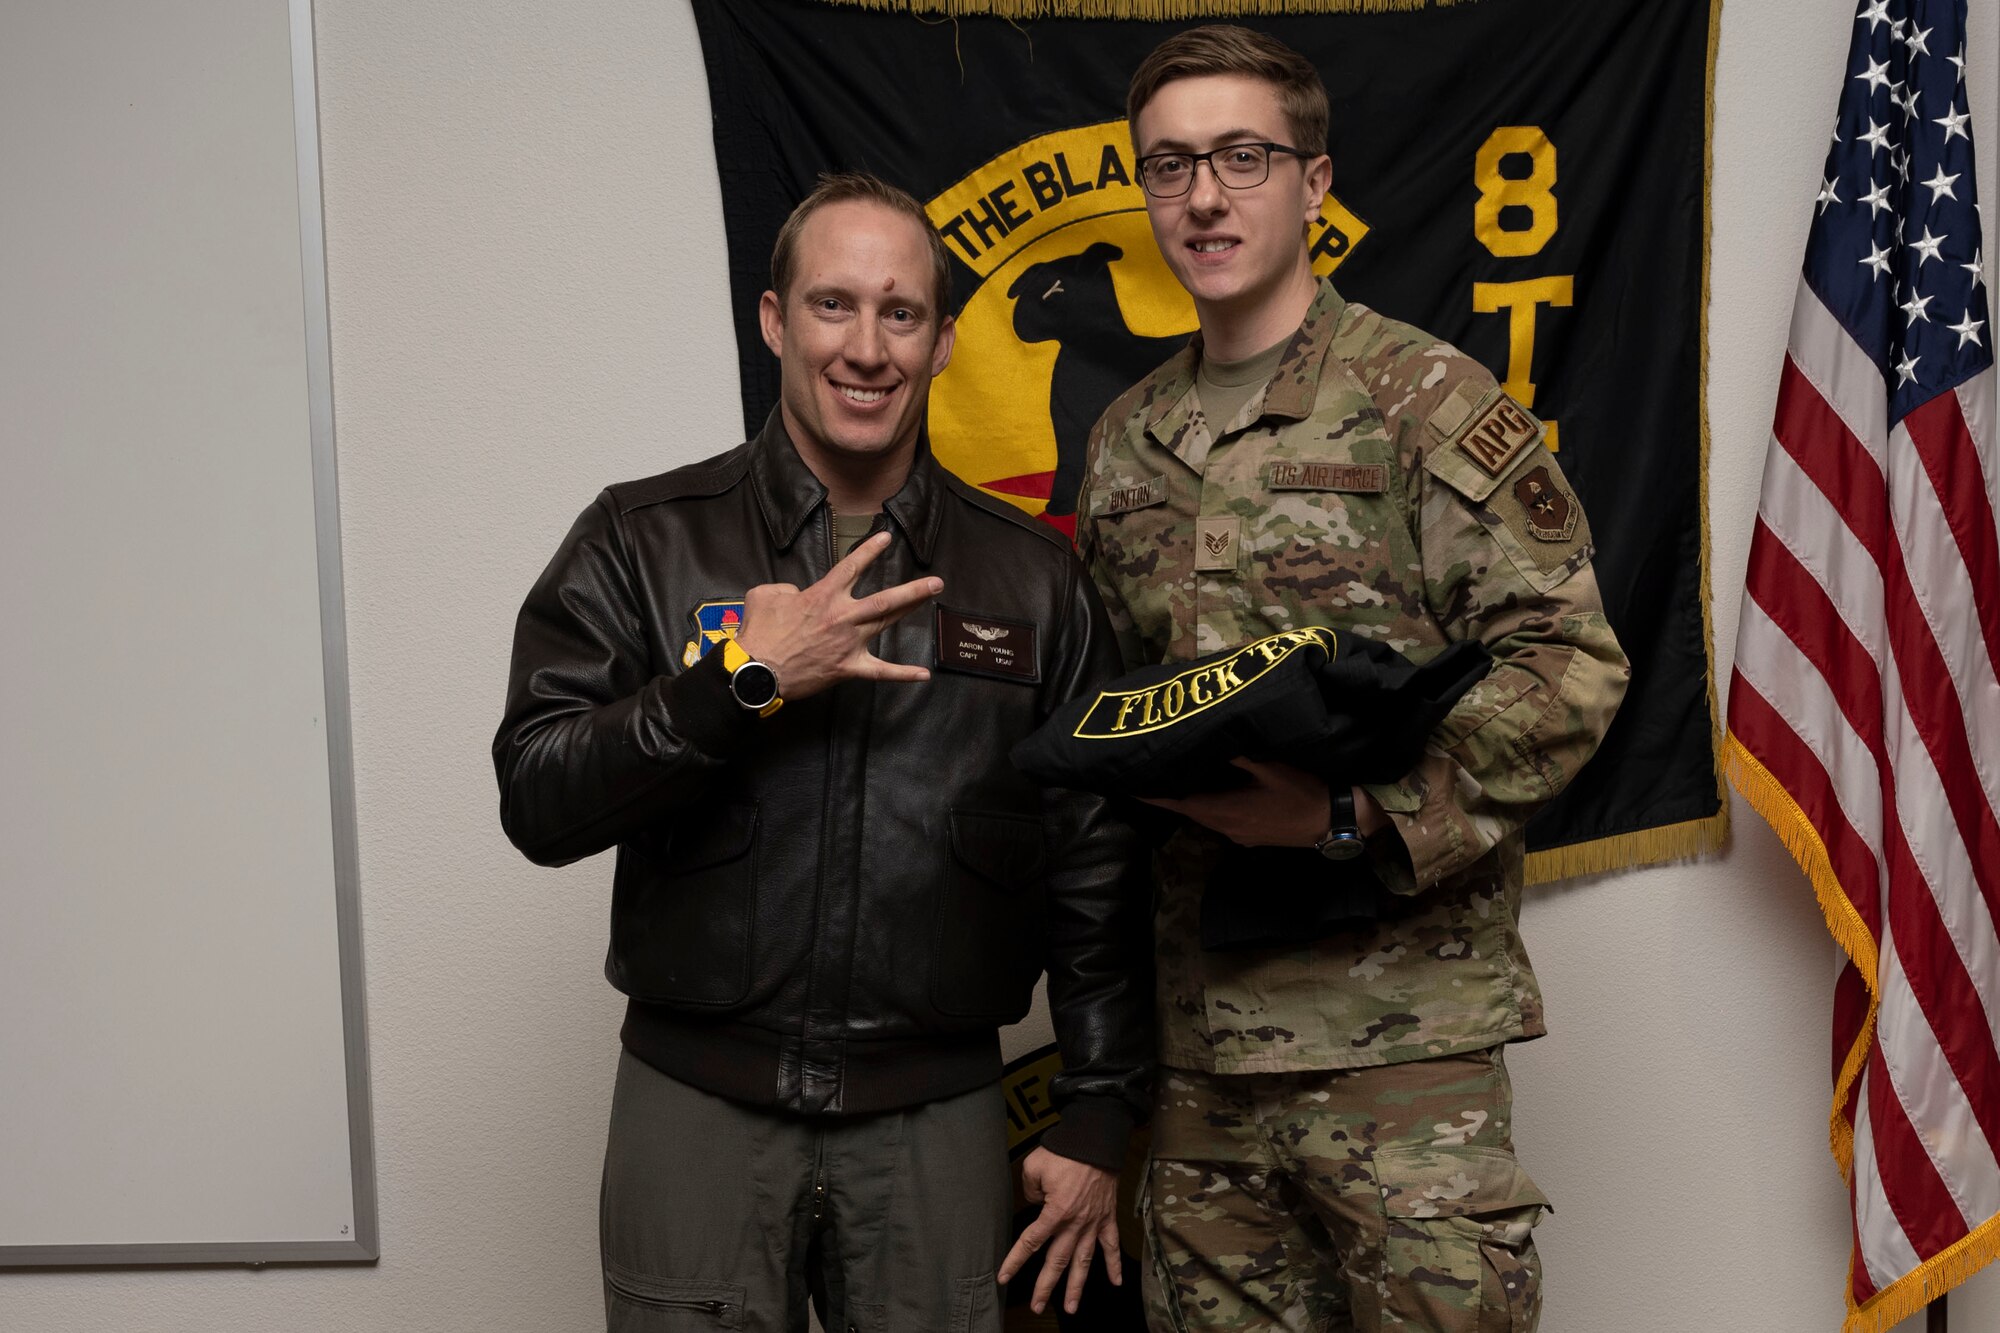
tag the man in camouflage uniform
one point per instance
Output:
(1332, 1146)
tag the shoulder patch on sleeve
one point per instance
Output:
(1534, 514)
(1495, 434)
(1481, 437)
(1457, 409)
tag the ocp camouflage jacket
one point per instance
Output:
(1381, 483)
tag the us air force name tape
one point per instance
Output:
(1321, 699)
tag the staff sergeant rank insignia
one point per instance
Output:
(713, 622)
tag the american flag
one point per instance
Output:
(1864, 713)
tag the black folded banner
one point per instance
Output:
(1526, 178)
(1322, 700)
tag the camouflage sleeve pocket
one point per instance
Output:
(1459, 1253)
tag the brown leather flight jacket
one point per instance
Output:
(831, 910)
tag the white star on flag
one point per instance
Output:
(1968, 330)
(1914, 308)
(1940, 185)
(1916, 41)
(1878, 259)
(1976, 269)
(1875, 15)
(1875, 76)
(1877, 199)
(1907, 368)
(1954, 123)
(1829, 193)
(1877, 135)
(1928, 248)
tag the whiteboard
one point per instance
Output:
(183, 1058)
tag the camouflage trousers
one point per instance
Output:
(1358, 1199)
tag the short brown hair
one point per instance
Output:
(1223, 48)
(839, 187)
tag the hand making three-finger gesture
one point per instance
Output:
(816, 637)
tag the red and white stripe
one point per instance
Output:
(1865, 687)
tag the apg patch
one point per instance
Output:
(714, 622)
(1497, 434)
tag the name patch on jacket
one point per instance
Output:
(987, 646)
(713, 623)
(1139, 495)
(1353, 478)
(1121, 713)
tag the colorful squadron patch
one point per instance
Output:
(713, 623)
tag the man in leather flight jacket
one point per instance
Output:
(832, 888)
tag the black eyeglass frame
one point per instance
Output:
(1196, 159)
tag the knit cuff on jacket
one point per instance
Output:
(1093, 1130)
(702, 709)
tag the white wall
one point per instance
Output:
(528, 298)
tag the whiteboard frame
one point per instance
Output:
(364, 1247)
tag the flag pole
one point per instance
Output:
(1934, 1321)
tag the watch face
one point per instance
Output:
(1342, 846)
(754, 685)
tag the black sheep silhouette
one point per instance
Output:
(1072, 301)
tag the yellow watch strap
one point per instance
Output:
(733, 657)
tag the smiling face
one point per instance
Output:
(858, 338)
(1241, 254)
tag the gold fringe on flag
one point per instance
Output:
(1155, 10)
(1668, 842)
(1720, 819)
(1768, 797)
(1923, 1284)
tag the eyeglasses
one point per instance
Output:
(1240, 166)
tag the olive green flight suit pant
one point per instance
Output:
(717, 1215)
(1348, 1201)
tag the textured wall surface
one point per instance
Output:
(525, 258)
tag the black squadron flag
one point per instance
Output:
(1524, 178)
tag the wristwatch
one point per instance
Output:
(1343, 841)
(754, 685)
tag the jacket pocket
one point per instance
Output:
(683, 922)
(988, 939)
(1460, 1238)
(636, 1304)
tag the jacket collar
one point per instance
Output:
(787, 491)
(1293, 387)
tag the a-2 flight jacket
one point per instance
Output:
(831, 910)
